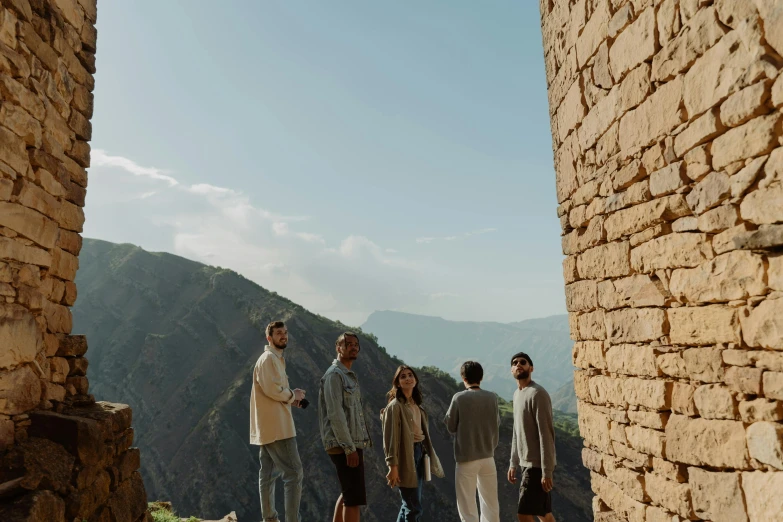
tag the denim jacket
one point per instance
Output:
(340, 410)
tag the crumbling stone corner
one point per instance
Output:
(62, 455)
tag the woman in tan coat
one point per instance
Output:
(406, 442)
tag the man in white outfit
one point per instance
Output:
(474, 417)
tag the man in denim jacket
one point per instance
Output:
(343, 429)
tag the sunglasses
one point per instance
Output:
(520, 362)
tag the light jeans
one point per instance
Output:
(480, 474)
(280, 458)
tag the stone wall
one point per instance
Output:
(62, 456)
(666, 130)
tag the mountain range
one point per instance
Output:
(431, 341)
(177, 340)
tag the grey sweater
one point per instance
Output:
(475, 417)
(533, 441)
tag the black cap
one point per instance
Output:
(522, 354)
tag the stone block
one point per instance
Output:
(774, 272)
(634, 45)
(589, 354)
(637, 459)
(669, 470)
(701, 130)
(594, 33)
(609, 260)
(635, 291)
(772, 16)
(674, 496)
(36, 506)
(20, 336)
(742, 180)
(673, 365)
(29, 223)
(629, 509)
(731, 276)
(682, 399)
(746, 104)
(709, 192)
(773, 385)
(717, 495)
(637, 193)
(765, 443)
(72, 346)
(652, 394)
(700, 33)
(582, 385)
(763, 206)
(20, 390)
(703, 442)
(607, 390)
(677, 250)
(704, 325)
(704, 364)
(715, 401)
(761, 410)
(129, 501)
(733, 63)
(766, 237)
(761, 505)
(668, 179)
(636, 325)
(655, 117)
(630, 359)
(744, 380)
(719, 219)
(581, 296)
(754, 138)
(630, 482)
(645, 440)
(763, 326)
(645, 215)
(591, 326)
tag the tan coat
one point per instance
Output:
(398, 444)
(270, 400)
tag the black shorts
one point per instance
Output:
(533, 500)
(351, 479)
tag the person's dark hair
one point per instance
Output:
(522, 354)
(396, 390)
(341, 340)
(270, 328)
(472, 372)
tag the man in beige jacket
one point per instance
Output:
(272, 427)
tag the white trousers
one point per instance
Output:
(479, 474)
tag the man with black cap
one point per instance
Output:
(532, 444)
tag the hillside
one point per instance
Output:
(177, 340)
(432, 341)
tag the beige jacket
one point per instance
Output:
(270, 400)
(398, 444)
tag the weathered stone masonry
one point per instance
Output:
(666, 129)
(62, 456)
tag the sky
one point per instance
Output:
(351, 156)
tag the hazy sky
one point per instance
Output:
(352, 156)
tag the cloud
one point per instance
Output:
(310, 238)
(280, 228)
(99, 158)
(211, 190)
(345, 279)
(428, 240)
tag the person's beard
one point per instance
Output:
(280, 347)
(523, 375)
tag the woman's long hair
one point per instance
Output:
(396, 390)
